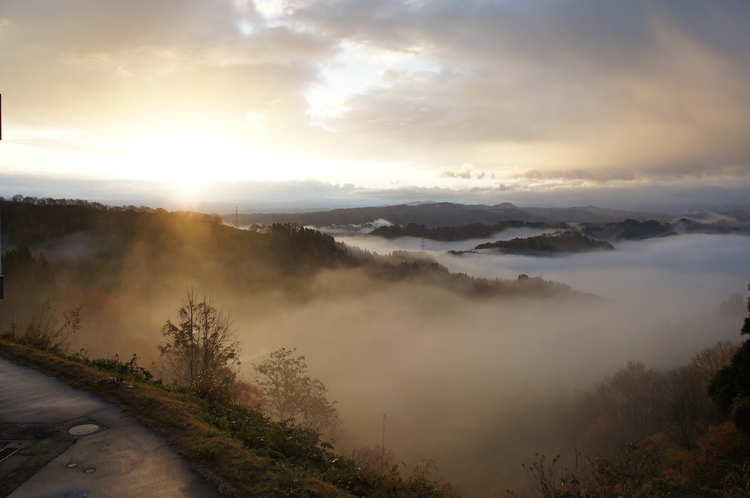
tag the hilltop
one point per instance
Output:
(565, 242)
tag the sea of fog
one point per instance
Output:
(672, 275)
(469, 383)
(464, 381)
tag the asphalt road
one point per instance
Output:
(108, 454)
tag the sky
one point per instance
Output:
(324, 103)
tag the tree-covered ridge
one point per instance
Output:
(730, 388)
(638, 230)
(30, 220)
(462, 232)
(629, 229)
(565, 242)
(466, 286)
(109, 248)
(106, 247)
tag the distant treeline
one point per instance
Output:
(566, 242)
(640, 230)
(629, 229)
(29, 220)
(93, 246)
(462, 232)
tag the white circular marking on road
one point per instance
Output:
(71, 465)
(84, 429)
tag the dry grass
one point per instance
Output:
(237, 448)
(180, 418)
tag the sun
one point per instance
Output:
(190, 159)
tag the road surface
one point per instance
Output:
(60, 442)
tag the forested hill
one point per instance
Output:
(629, 229)
(93, 247)
(33, 221)
(566, 242)
(463, 232)
(110, 246)
(639, 230)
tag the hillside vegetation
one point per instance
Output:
(651, 434)
(565, 242)
(110, 279)
(629, 229)
(105, 279)
(238, 448)
(101, 251)
(462, 232)
(108, 271)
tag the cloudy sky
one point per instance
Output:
(379, 101)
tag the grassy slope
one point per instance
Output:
(239, 449)
(179, 418)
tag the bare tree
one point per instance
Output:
(201, 349)
(709, 361)
(292, 395)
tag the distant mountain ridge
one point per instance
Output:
(441, 214)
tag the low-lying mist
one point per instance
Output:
(452, 374)
(685, 273)
(466, 382)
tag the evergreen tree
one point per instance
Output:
(730, 389)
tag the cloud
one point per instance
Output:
(577, 90)
(249, 195)
(143, 65)
(465, 172)
(282, 196)
(563, 85)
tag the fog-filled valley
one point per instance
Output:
(672, 276)
(385, 248)
(505, 362)
(476, 376)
